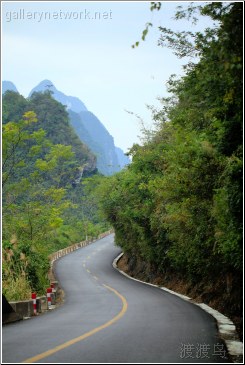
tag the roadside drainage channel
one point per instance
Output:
(226, 328)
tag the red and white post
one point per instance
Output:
(49, 291)
(34, 301)
(52, 287)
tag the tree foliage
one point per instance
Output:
(42, 168)
(179, 204)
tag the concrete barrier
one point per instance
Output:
(24, 309)
(42, 304)
(8, 313)
(65, 251)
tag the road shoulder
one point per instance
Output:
(226, 328)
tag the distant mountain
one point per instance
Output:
(88, 127)
(90, 130)
(101, 143)
(53, 118)
(8, 85)
(71, 102)
(123, 160)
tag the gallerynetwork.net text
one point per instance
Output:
(40, 16)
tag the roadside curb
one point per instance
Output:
(226, 327)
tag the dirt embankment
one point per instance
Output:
(227, 299)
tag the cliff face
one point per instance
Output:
(90, 130)
(101, 143)
(96, 137)
(123, 160)
(53, 118)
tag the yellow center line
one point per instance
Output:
(85, 335)
(88, 271)
(95, 277)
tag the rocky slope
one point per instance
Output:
(90, 130)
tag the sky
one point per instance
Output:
(84, 48)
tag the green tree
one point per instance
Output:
(31, 209)
(178, 206)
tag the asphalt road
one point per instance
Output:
(108, 318)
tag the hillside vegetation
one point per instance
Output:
(178, 207)
(90, 130)
(47, 203)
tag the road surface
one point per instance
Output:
(108, 318)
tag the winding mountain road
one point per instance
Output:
(108, 318)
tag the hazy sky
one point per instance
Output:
(84, 48)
